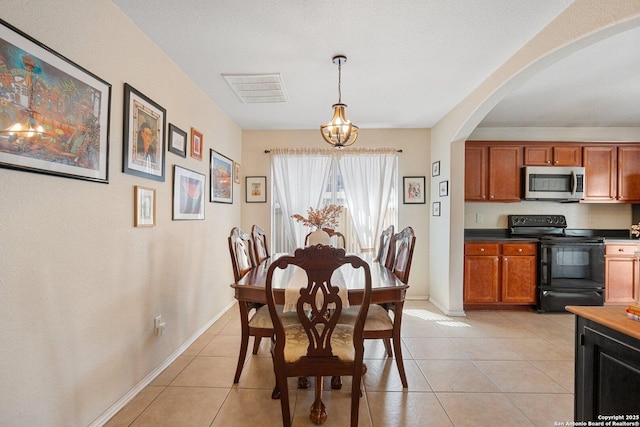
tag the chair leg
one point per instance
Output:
(397, 345)
(256, 344)
(244, 340)
(387, 345)
(281, 385)
(318, 412)
(356, 392)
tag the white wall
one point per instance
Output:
(79, 284)
(413, 161)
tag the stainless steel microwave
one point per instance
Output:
(561, 183)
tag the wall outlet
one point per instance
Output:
(479, 218)
(158, 325)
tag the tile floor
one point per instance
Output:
(491, 368)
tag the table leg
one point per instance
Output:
(318, 413)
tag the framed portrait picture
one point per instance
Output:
(54, 114)
(414, 191)
(256, 189)
(144, 206)
(196, 144)
(236, 172)
(435, 209)
(221, 169)
(144, 135)
(177, 140)
(188, 194)
(435, 168)
(443, 188)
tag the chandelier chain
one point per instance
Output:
(339, 83)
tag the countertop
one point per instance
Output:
(614, 317)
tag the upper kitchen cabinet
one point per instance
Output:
(600, 167)
(552, 155)
(612, 173)
(629, 173)
(492, 172)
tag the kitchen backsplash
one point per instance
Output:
(579, 215)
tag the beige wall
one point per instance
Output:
(79, 285)
(413, 161)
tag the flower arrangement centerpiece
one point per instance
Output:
(635, 231)
(326, 217)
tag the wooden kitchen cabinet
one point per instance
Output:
(629, 173)
(492, 172)
(622, 273)
(550, 155)
(476, 164)
(499, 274)
(600, 167)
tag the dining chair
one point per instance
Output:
(385, 321)
(318, 345)
(405, 241)
(385, 245)
(255, 320)
(259, 243)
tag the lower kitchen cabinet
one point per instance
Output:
(607, 366)
(622, 273)
(499, 274)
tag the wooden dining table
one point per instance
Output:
(386, 289)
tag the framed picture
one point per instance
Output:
(177, 141)
(435, 168)
(256, 189)
(443, 188)
(196, 144)
(236, 172)
(145, 207)
(144, 135)
(54, 114)
(435, 210)
(221, 169)
(414, 191)
(188, 194)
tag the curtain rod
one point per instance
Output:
(269, 151)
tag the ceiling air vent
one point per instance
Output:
(257, 88)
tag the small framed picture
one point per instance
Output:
(256, 189)
(145, 207)
(221, 171)
(196, 144)
(188, 194)
(236, 172)
(443, 188)
(435, 210)
(144, 135)
(435, 168)
(414, 191)
(177, 140)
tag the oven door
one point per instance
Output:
(571, 265)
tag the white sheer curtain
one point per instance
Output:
(299, 179)
(368, 176)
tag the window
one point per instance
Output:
(363, 182)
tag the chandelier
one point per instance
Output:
(339, 132)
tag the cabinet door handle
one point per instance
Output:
(519, 249)
(481, 249)
(620, 250)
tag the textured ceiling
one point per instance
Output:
(409, 61)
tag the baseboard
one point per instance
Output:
(122, 402)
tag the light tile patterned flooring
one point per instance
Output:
(491, 368)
